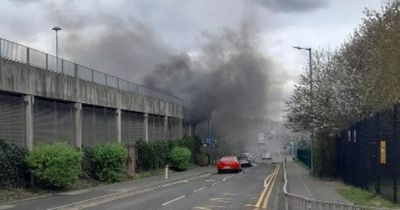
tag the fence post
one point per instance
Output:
(379, 168)
(395, 157)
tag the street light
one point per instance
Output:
(56, 29)
(311, 101)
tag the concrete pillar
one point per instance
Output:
(78, 124)
(29, 100)
(146, 127)
(118, 112)
(166, 134)
(189, 129)
(180, 127)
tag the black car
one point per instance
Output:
(244, 161)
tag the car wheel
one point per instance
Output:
(220, 171)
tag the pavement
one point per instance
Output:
(300, 182)
(200, 188)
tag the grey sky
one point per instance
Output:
(161, 28)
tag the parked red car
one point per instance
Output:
(229, 163)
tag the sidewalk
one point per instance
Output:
(300, 182)
(63, 198)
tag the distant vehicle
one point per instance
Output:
(266, 156)
(229, 163)
(248, 155)
(244, 160)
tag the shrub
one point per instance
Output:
(179, 158)
(87, 170)
(55, 165)
(108, 161)
(14, 171)
(154, 155)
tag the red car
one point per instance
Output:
(229, 163)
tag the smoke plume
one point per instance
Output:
(226, 80)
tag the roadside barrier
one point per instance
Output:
(298, 202)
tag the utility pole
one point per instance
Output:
(56, 29)
(311, 103)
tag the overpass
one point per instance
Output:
(44, 99)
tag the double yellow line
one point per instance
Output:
(266, 193)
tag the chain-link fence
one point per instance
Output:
(20, 53)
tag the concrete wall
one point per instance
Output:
(55, 107)
(21, 78)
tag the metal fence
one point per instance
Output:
(298, 202)
(368, 154)
(304, 155)
(20, 53)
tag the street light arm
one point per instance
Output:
(302, 48)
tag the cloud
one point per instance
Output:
(293, 5)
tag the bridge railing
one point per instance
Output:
(23, 54)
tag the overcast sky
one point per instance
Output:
(165, 27)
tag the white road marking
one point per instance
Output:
(200, 189)
(226, 178)
(173, 200)
(215, 183)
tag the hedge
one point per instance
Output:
(14, 171)
(108, 161)
(154, 155)
(179, 158)
(55, 165)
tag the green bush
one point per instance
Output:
(14, 171)
(87, 170)
(154, 155)
(55, 165)
(179, 158)
(108, 161)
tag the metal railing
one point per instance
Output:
(298, 202)
(19, 53)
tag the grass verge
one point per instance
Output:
(365, 198)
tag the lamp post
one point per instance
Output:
(56, 29)
(311, 103)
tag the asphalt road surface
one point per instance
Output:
(216, 191)
(245, 190)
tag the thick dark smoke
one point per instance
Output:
(228, 78)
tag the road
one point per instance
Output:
(216, 191)
(196, 189)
